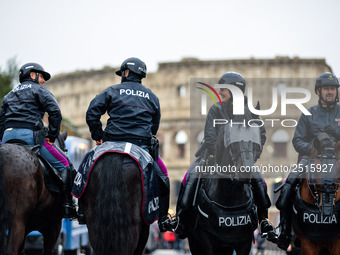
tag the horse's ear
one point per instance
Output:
(330, 130)
(316, 144)
(64, 135)
(254, 116)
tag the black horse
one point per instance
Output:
(112, 205)
(26, 203)
(226, 213)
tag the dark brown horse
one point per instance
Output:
(26, 204)
(226, 211)
(112, 205)
(317, 205)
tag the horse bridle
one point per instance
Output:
(328, 187)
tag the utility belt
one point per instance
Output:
(152, 143)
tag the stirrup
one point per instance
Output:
(169, 224)
(269, 234)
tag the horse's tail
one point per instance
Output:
(113, 211)
(4, 212)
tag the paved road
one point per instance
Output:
(173, 252)
(168, 252)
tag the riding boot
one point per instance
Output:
(69, 208)
(263, 203)
(284, 202)
(164, 222)
(182, 214)
(185, 205)
(260, 191)
(285, 230)
(81, 216)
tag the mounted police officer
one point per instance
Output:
(21, 119)
(325, 113)
(135, 114)
(207, 153)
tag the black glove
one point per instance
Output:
(324, 140)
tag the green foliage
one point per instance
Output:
(7, 77)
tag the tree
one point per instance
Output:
(7, 77)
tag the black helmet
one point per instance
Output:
(234, 79)
(26, 69)
(135, 65)
(326, 79)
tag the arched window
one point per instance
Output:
(181, 91)
(181, 139)
(200, 137)
(281, 86)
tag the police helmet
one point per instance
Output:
(233, 78)
(326, 79)
(135, 65)
(26, 69)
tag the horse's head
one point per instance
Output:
(60, 141)
(322, 175)
(324, 144)
(238, 148)
(324, 156)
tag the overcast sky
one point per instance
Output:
(69, 35)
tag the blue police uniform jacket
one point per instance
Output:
(310, 126)
(24, 107)
(133, 109)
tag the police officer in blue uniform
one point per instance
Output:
(325, 113)
(134, 116)
(208, 153)
(21, 118)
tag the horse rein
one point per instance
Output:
(315, 190)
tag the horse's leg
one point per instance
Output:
(131, 173)
(50, 237)
(16, 236)
(243, 249)
(225, 251)
(143, 238)
(200, 243)
(335, 247)
(308, 247)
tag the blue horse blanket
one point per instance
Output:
(150, 185)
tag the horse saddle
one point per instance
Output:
(52, 177)
(149, 178)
